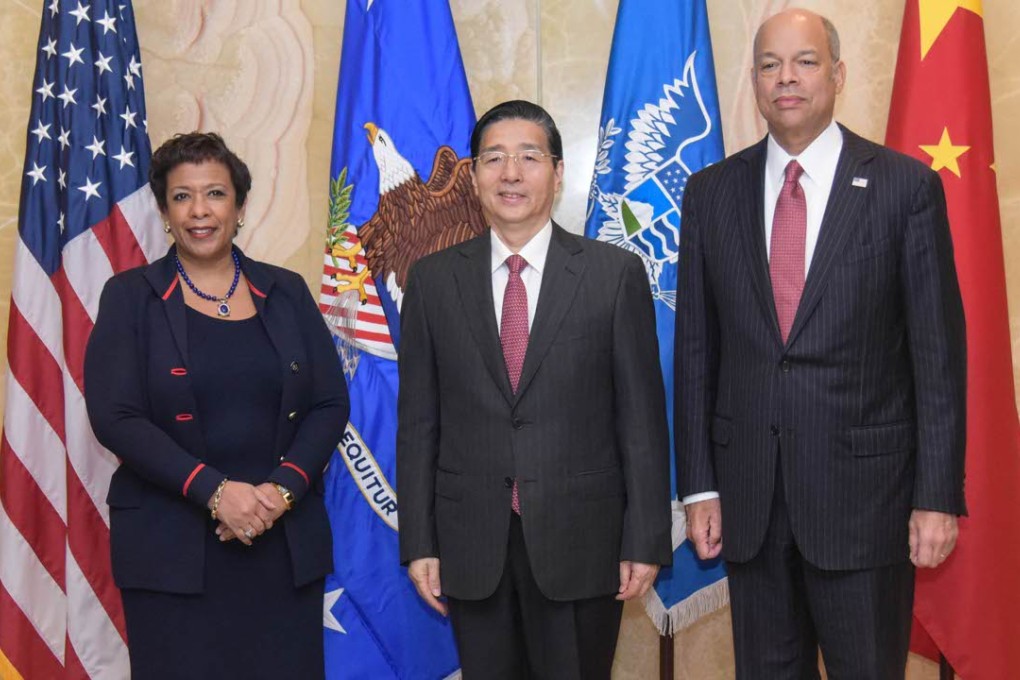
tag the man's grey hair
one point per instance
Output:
(831, 34)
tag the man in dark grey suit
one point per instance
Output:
(532, 448)
(820, 375)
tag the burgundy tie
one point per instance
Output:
(789, 232)
(513, 334)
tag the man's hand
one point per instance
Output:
(635, 579)
(704, 527)
(424, 573)
(932, 537)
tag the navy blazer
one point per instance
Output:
(864, 404)
(142, 407)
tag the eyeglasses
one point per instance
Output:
(525, 160)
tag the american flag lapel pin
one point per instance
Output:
(860, 182)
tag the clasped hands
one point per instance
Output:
(246, 511)
(932, 534)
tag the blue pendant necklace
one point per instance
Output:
(222, 308)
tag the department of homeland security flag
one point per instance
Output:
(660, 124)
(400, 188)
(86, 213)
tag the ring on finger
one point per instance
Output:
(249, 534)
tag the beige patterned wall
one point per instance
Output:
(264, 73)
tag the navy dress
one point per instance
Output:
(250, 621)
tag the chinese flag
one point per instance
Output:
(968, 608)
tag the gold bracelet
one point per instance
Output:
(216, 497)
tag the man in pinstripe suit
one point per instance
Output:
(820, 375)
(532, 446)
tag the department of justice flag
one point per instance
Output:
(660, 124)
(400, 188)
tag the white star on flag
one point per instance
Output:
(130, 80)
(73, 55)
(328, 620)
(96, 147)
(37, 173)
(54, 8)
(41, 131)
(82, 13)
(108, 23)
(124, 157)
(135, 67)
(90, 189)
(64, 138)
(62, 179)
(103, 63)
(67, 96)
(46, 90)
(51, 48)
(129, 118)
(60, 222)
(99, 106)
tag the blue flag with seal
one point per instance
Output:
(660, 124)
(400, 188)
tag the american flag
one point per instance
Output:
(86, 213)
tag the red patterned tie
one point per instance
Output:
(513, 334)
(789, 232)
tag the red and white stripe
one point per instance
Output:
(371, 332)
(60, 613)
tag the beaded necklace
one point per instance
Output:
(223, 308)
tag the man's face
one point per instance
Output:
(795, 80)
(517, 195)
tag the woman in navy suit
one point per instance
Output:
(215, 381)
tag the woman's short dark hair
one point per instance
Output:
(196, 147)
(518, 109)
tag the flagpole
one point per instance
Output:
(666, 657)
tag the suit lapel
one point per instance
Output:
(162, 276)
(564, 266)
(474, 281)
(751, 199)
(841, 216)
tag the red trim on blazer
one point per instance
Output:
(191, 478)
(256, 290)
(301, 472)
(184, 417)
(178, 371)
(173, 284)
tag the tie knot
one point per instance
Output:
(515, 263)
(793, 172)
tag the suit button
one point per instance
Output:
(292, 415)
(785, 366)
(294, 368)
(774, 430)
(508, 482)
(518, 423)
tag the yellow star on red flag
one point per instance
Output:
(945, 154)
(935, 14)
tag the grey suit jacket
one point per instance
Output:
(863, 406)
(585, 434)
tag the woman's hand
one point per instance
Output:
(268, 516)
(246, 511)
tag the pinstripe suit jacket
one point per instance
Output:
(866, 398)
(585, 434)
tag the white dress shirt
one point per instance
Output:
(819, 161)
(534, 253)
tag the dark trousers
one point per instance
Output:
(519, 633)
(784, 610)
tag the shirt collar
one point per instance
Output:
(534, 251)
(819, 159)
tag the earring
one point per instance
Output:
(166, 227)
(240, 223)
